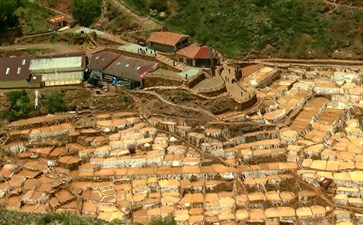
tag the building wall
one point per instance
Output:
(96, 74)
(128, 83)
(14, 84)
(62, 78)
(203, 62)
(182, 44)
(34, 85)
(161, 47)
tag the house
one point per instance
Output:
(194, 55)
(167, 41)
(66, 69)
(57, 22)
(129, 71)
(99, 62)
(14, 72)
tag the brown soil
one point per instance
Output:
(63, 6)
(112, 103)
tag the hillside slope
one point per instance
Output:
(264, 28)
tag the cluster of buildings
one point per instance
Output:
(129, 68)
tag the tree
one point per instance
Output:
(7, 13)
(20, 106)
(86, 11)
(54, 102)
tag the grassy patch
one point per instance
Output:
(33, 17)
(116, 22)
(15, 218)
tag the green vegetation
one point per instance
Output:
(86, 11)
(163, 221)
(33, 17)
(7, 17)
(144, 6)
(20, 106)
(54, 102)
(184, 95)
(281, 28)
(53, 37)
(15, 218)
(117, 22)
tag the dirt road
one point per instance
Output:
(145, 22)
(56, 47)
(342, 5)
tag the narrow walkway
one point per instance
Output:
(185, 89)
(238, 93)
(100, 34)
(170, 62)
(209, 114)
(342, 5)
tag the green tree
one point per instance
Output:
(7, 13)
(54, 102)
(20, 106)
(160, 5)
(86, 11)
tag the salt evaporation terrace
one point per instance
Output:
(263, 167)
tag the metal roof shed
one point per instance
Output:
(59, 70)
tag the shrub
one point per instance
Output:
(163, 221)
(184, 95)
(86, 11)
(20, 106)
(54, 102)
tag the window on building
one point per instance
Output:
(19, 70)
(23, 62)
(7, 71)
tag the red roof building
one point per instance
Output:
(167, 41)
(194, 55)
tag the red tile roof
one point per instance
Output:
(195, 52)
(203, 53)
(167, 38)
(189, 51)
